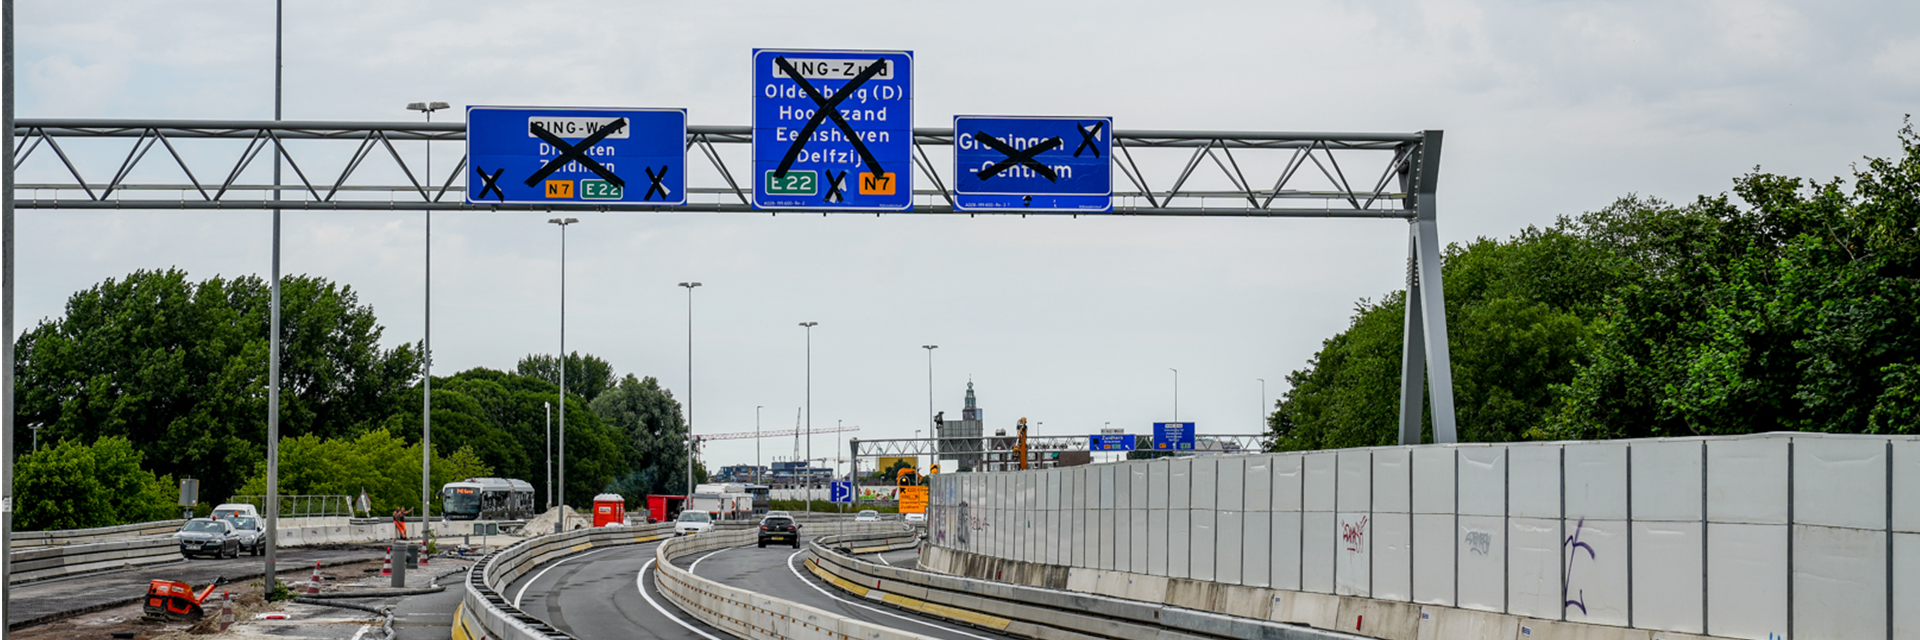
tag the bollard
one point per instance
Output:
(386, 568)
(226, 610)
(313, 584)
(400, 568)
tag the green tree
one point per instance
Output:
(653, 433)
(386, 467)
(587, 376)
(179, 369)
(75, 486)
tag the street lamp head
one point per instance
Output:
(809, 325)
(689, 285)
(426, 107)
(929, 347)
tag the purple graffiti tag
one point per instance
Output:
(1573, 544)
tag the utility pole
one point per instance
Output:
(808, 466)
(690, 286)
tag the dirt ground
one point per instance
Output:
(119, 622)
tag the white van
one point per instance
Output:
(232, 509)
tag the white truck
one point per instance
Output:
(723, 501)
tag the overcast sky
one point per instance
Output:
(1549, 109)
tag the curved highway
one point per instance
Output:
(608, 594)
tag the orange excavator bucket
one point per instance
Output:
(171, 600)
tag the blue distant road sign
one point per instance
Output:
(833, 130)
(1111, 442)
(1036, 164)
(842, 492)
(540, 155)
(1172, 436)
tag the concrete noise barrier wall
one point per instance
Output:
(1763, 537)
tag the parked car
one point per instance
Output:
(779, 528)
(208, 537)
(915, 518)
(868, 515)
(692, 522)
(253, 539)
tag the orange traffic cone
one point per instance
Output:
(386, 568)
(313, 584)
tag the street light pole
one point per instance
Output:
(549, 408)
(560, 520)
(808, 466)
(268, 578)
(690, 286)
(1176, 393)
(930, 425)
(426, 348)
(759, 477)
(1263, 403)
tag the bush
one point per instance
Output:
(77, 486)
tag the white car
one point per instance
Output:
(692, 522)
(868, 515)
(915, 518)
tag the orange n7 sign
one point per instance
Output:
(876, 185)
(560, 188)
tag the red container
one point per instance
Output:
(609, 508)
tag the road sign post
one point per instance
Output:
(1173, 436)
(1036, 164)
(582, 156)
(833, 130)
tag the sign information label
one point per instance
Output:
(1173, 436)
(1039, 164)
(833, 130)
(538, 155)
(841, 492)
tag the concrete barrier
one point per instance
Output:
(42, 563)
(747, 614)
(30, 539)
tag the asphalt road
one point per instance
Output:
(55, 598)
(598, 595)
(779, 572)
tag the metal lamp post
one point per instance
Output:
(759, 476)
(560, 521)
(426, 348)
(549, 407)
(690, 286)
(1176, 393)
(1263, 403)
(930, 424)
(809, 459)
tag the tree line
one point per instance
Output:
(1788, 305)
(165, 375)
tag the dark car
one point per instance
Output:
(253, 540)
(208, 537)
(779, 528)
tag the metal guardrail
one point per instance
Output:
(1031, 612)
(26, 539)
(32, 565)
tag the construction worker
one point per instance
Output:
(400, 521)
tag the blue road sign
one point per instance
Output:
(833, 130)
(1111, 442)
(539, 155)
(1037, 164)
(1172, 436)
(842, 491)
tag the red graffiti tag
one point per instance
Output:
(1355, 534)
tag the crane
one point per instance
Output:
(748, 435)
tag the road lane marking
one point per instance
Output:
(824, 592)
(536, 576)
(640, 584)
(696, 563)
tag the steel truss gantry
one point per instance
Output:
(343, 166)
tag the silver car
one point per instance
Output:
(208, 537)
(253, 540)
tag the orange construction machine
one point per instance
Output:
(169, 600)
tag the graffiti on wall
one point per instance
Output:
(1479, 542)
(1573, 546)
(1354, 534)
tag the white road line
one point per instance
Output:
(883, 558)
(639, 583)
(362, 632)
(824, 592)
(696, 563)
(536, 577)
